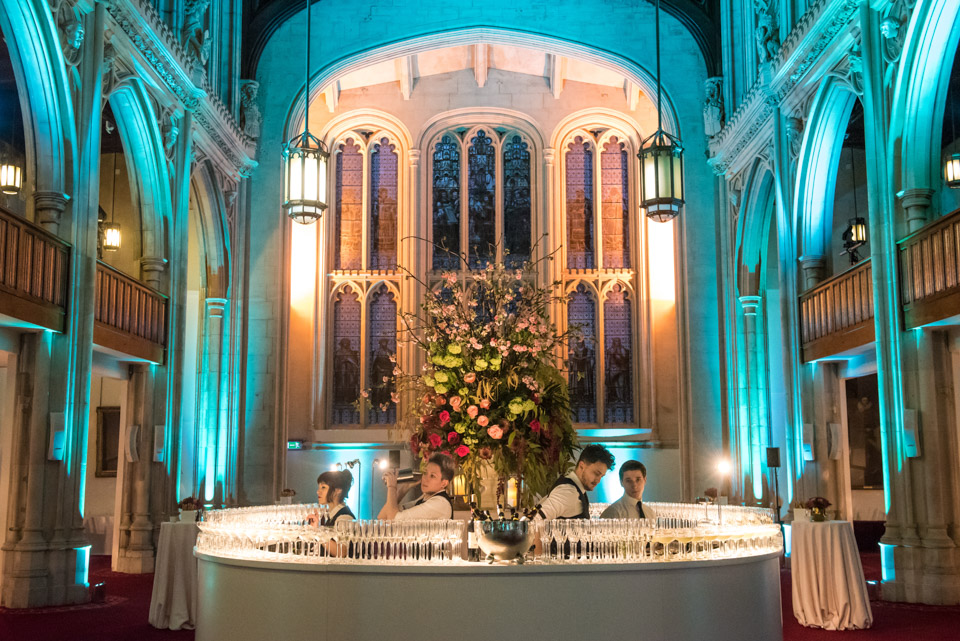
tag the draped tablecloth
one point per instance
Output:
(174, 601)
(829, 591)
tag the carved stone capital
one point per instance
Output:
(812, 268)
(750, 305)
(550, 156)
(152, 269)
(916, 204)
(49, 206)
(215, 307)
(413, 157)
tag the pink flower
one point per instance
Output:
(427, 398)
(535, 425)
(469, 378)
(453, 438)
(435, 440)
(462, 450)
(495, 431)
(444, 417)
(472, 411)
(441, 400)
(483, 421)
(455, 403)
(485, 403)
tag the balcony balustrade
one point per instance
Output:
(130, 317)
(837, 314)
(930, 272)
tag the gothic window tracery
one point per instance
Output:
(349, 204)
(384, 190)
(602, 368)
(382, 349)
(481, 212)
(346, 360)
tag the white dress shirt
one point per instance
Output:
(435, 507)
(626, 508)
(563, 500)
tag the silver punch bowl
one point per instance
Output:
(505, 540)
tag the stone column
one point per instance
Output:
(49, 207)
(751, 469)
(414, 256)
(27, 576)
(209, 457)
(136, 551)
(916, 204)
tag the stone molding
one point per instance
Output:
(153, 41)
(801, 55)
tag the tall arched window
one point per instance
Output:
(600, 277)
(481, 211)
(347, 377)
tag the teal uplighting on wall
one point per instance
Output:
(887, 572)
(83, 565)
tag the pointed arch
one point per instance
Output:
(211, 227)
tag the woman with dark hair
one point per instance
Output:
(332, 491)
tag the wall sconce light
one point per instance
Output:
(11, 178)
(951, 171)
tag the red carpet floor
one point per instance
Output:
(123, 617)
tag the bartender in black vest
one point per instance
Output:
(568, 498)
(433, 503)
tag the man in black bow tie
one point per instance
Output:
(633, 479)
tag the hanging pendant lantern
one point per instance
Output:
(305, 163)
(111, 237)
(951, 171)
(305, 178)
(661, 176)
(11, 178)
(661, 162)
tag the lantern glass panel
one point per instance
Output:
(951, 171)
(10, 179)
(111, 237)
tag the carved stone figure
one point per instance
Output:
(71, 32)
(193, 36)
(768, 40)
(250, 117)
(713, 115)
(794, 127)
(171, 131)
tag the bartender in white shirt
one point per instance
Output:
(633, 478)
(433, 503)
(568, 498)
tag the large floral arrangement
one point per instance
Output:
(491, 392)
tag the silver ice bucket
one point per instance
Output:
(504, 540)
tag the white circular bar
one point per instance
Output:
(256, 600)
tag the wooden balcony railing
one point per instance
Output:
(34, 268)
(130, 316)
(930, 272)
(837, 314)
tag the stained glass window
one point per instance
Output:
(582, 361)
(446, 204)
(382, 342)
(349, 203)
(579, 174)
(516, 202)
(481, 186)
(383, 206)
(346, 357)
(615, 208)
(617, 378)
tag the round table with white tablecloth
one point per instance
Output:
(829, 591)
(174, 601)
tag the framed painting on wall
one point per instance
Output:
(108, 441)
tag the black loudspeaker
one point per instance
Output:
(773, 457)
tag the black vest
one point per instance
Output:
(330, 521)
(584, 501)
(444, 495)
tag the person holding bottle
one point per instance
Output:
(633, 478)
(433, 502)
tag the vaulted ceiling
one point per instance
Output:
(263, 17)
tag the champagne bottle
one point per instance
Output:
(473, 546)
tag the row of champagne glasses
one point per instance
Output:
(291, 533)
